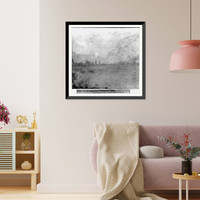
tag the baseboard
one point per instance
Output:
(68, 188)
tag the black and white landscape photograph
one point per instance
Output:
(105, 60)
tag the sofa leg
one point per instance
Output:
(180, 189)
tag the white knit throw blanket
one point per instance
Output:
(119, 167)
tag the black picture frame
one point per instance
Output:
(86, 65)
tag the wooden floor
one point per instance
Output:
(23, 193)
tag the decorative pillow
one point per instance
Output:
(151, 152)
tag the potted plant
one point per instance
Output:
(185, 150)
(26, 144)
(4, 114)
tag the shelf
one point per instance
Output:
(23, 170)
(24, 152)
(19, 140)
(18, 130)
(20, 171)
(20, 158)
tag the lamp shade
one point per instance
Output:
(186, 57)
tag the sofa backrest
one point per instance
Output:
(149, 136)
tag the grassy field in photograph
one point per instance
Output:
(105, 77)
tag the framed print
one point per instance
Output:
(105, 60)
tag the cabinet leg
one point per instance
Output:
(33, 181)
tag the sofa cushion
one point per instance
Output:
(158, 173)
(151, 152)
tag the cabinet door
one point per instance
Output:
(7, 151)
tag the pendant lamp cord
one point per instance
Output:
(190, 19)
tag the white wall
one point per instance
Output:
(67, 125)
(19, 60)
(19, 64)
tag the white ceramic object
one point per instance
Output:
(26, 165)
(151, 152)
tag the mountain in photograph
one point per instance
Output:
(118, 48)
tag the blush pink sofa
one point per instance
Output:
(158, 171)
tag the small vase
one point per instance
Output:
(187, 167)
(26, 165)
(26, 145)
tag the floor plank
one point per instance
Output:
(24, 193)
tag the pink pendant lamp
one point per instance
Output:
(188, 56)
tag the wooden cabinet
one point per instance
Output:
(12, 156)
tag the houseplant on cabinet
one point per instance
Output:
(26, 144)
(4, 114)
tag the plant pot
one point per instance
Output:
(26, 145)
(187, 167)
